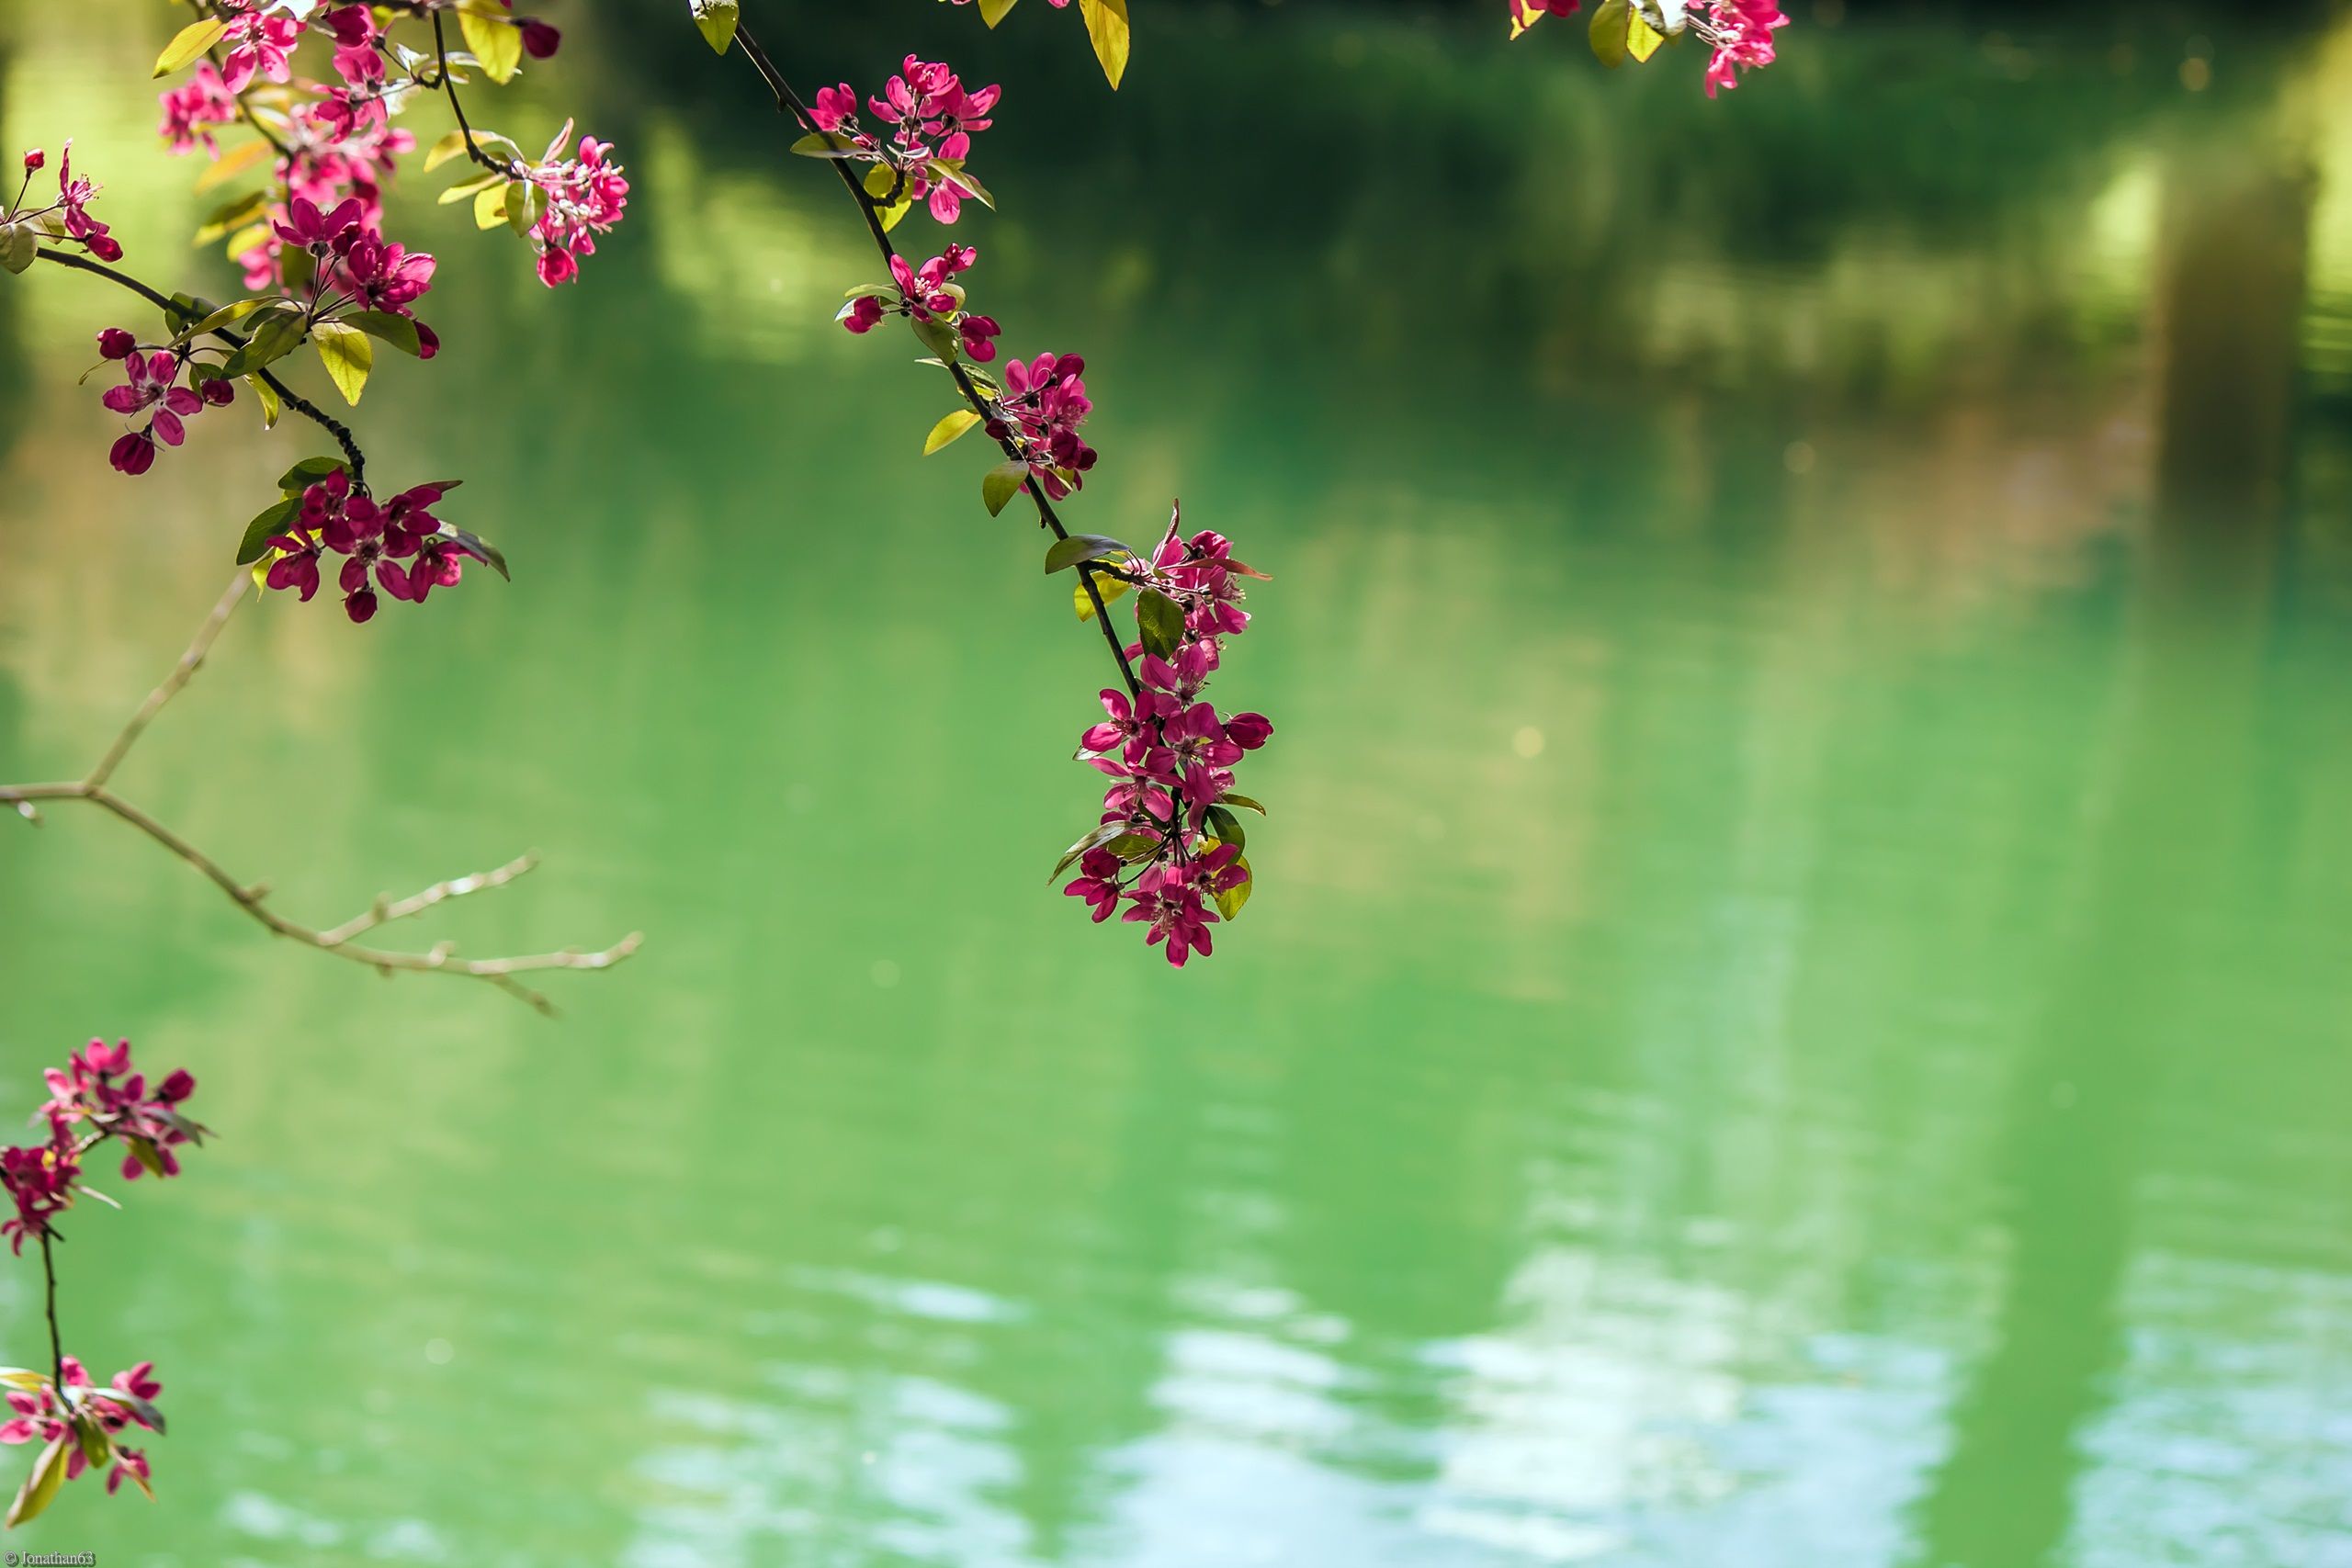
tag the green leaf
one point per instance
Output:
(188, 44)
(271, 405)
(1226, 828)
(143, 1150)
(226, 316)
(465, 190)
(994, 11)
(1111, 588)
(939, 337)
(1066, 553)
(1001, 483)
(1230, 798)
(1609, 32)
(275, 335)
(871, 291)
(490, 206)
(1161, 621)
(949, 429)
(1229, 902)
(482, 549)
(1102, 834)
(146, 1412)
(19, 246)
(348, 357)
(385, 327)
(24, 1378)
(497, 44)
(715, 19)
(451, 145)
(1106, 24)
(308, 473)
(883, 183)
(272, 520)
(41, 1487)
(951, 171)
(96, 1450)
(524, 203)
(827, 144)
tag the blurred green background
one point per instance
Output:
(1796, 1012)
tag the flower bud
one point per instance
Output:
(116, 343)
(34, 159)
(220, 391)
(539, 40)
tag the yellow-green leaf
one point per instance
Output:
(715, 19)
(489, 206)
(190, 44)
(994, 11)
(948, 430)
(497, 44)
(41, 1487)
(1610, 31)
(349, 355)
(1001, 483)
(1229, 902)
(453, 145)
(1642, 40)
(1106, 24)
(1111, 588)
(232, 164)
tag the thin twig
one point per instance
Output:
(254, 900)
(181, 674)
(448, 84)
(56, 1340)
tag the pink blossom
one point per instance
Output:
(1740, 32)
(585, 196)
(259, 44)
(193, 109)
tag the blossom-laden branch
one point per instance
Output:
(95, 788)
(1168, 844)
(1738, 33)
(98, 1095)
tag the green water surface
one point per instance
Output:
(1796, 1010)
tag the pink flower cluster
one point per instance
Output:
(929, 120)
(1169, 844)
(67, 218)
(1040, 408)
(1738, 32)
(337, 143)
(98, 1095)
(49, 1414)
(926, 293)
(399, 544)
(584, 198)
(152, 389)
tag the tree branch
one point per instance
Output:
(287, 395)
(253, 899)
(789, 102)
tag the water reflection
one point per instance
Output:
(1800, 1016)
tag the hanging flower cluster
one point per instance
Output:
(1168, 846)
(576, 200)
(1738, 33)
(397, 545)
(98, 1095)
(925, 122)
(1169, 842)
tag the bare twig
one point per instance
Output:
(253, 899)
